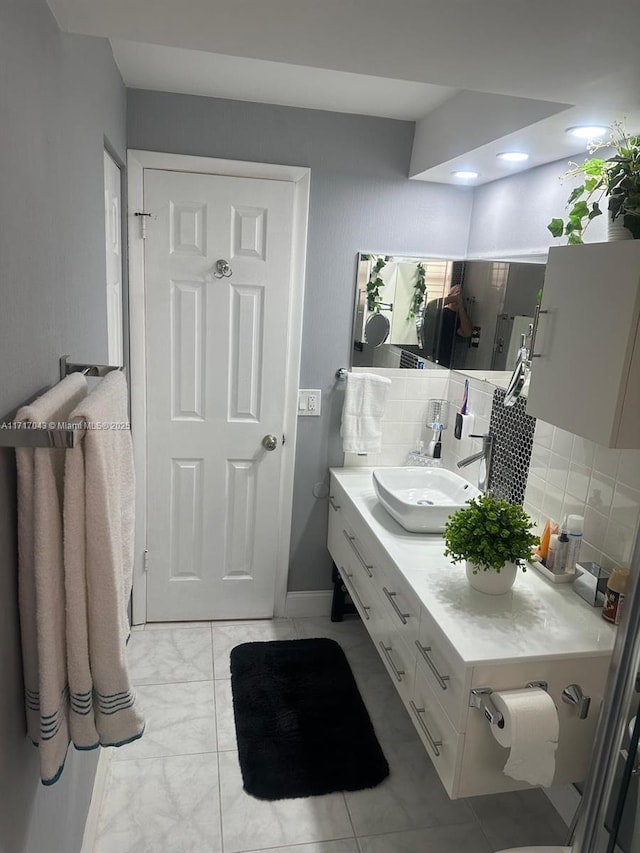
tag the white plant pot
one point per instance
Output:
(616, 230)
(492, 582)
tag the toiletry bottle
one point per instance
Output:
(543, 548)
(560, 562)
(575, 528)
(614, 596)
(552, 550)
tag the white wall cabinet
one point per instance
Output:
(586, 373)
(438, 639)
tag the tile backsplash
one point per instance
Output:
(570, 474)
(513, 431)
(405, 414)
(567, 473)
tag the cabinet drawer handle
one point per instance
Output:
(354, 594)
(351, 541)
(441, 679)
(391, 596)
(334, 505)
(534, 332)
(385, 651)
(434, 744)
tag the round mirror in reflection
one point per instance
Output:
(376, 330)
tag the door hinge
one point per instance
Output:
(145, 560)
(143, 222)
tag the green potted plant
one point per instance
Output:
(491, 535)
(617, 178)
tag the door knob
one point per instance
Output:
(269, 442)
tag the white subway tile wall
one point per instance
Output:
(568, 474)
(573, 475)
(479, 405)
(405, 414)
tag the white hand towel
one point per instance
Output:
(41, 579)
(98, 550)
(364, 401)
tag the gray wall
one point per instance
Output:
(60, 96)
(510, 216)
(361, 200)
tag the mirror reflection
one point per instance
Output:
(461, 314)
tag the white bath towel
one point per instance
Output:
(98, 551)
(41, 578)
(362, 412)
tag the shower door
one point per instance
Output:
(622, 822)
(609, 818)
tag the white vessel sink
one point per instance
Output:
(421, 499)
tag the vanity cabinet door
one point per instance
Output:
(443, 670)
(586, 368)
(441, 741)
(484, 758)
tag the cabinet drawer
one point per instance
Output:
(402, 607)
(337, 543)
(442, 742)
(362, 595)
(443, 671)
(398, 658)
(346, 548)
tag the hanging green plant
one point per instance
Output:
(373, 286)
(419, 290)
(615, 181)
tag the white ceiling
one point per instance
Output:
(409, 59)
(195, 72)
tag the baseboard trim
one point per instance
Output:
(99, 783)
(308, 603)
(565, 799)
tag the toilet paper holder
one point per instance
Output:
(480, 697)
(573, 695)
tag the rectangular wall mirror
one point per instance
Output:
(464, 314)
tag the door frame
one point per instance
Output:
(137, 162)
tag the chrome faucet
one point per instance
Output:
(486, 457)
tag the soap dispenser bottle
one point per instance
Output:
(575, 527)
(560, 561)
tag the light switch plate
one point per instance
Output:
(309, 402)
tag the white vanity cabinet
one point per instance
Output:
(586, 370)
(438, 639)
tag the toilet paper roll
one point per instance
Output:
(530, 731)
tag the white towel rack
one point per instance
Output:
(13, 434)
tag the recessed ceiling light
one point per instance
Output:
(588, 131)
(513, 156)
(465, 173)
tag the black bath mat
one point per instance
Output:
(301, 724)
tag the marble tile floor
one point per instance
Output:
(179, 789)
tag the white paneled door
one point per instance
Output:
(216, 354)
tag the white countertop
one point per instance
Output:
(537, 619)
